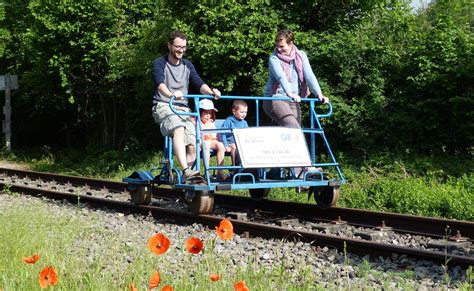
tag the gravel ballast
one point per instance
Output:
(330, 267)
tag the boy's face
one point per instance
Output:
(240, 112)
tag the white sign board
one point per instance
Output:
(12, 82)
(267, 147)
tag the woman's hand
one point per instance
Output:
(323, 99)
(295, 97)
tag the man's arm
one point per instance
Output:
(206, 90)
(158, 72)
(163, 89)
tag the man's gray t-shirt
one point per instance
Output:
(175, 77)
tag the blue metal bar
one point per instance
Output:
(257, 113)
(312, 117)
(263, 182)
(234, 185)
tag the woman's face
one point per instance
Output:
(283, 47)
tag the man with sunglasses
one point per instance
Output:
(172, 75)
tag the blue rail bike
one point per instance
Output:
(269, 157)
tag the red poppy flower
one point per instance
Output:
(154, 281)
(31, 259)
(167, 288)
(225, 230)
(159, 244)
(194, 245)
(241, 286)
(48, 276)
(132, 287)
(214, 277)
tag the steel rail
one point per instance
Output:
(359, 247)
(427, 226)
(413, 224)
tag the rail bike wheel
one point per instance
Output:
(326, 197)
(259, 194)
(141, 194)
(202, 202)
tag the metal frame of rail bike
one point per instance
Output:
(258, 181)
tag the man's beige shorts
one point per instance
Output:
(170, 121)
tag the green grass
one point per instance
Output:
(438, 186)
(62, 241)
(428, 186)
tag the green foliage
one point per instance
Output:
(357, 63)
(364, 269)
(397, 80)
(438, 96)
(7, 190)
(92, 162)
(4, 34)
(71, 79)
(428, 186)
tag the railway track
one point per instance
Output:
(358, 231)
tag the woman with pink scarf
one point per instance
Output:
(290, 76)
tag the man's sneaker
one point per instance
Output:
(188, 173)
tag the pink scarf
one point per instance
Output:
(285, 61)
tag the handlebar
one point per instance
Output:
(179, 112)
(329, 113)
(253, 98)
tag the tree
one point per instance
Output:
(437, 91)
(4, 34)
(67, 66)
(397, 80)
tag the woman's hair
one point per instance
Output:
(285, 34)
(213, 113)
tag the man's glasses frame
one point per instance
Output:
(180, 47)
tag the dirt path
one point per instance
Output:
(11, 165)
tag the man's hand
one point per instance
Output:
(178, 94)
(216, 93)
